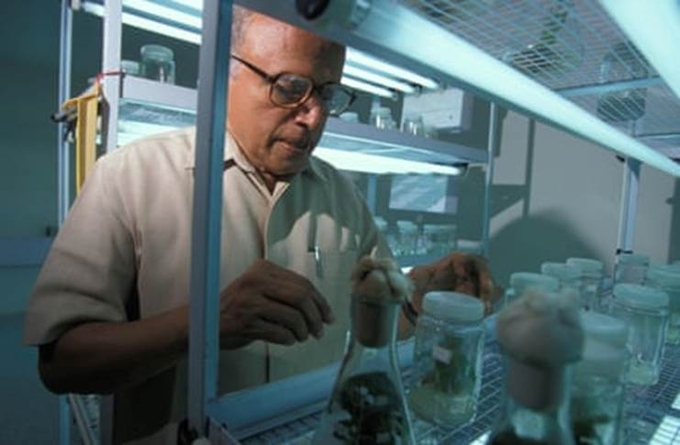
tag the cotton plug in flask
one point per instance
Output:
(541, 337)
(367, 404)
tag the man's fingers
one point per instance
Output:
(272, 332)
(287, 317)
(297, 291)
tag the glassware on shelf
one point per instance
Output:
(413, 124)
(439, 238)
(630, 268)
(591, 279)
(381, 117)
(350, 116)
(624, 62)
(367, 403)
(408, 235)
(667, 279)
(158, 63)
(645, 310)
(130, 67)
(447, 362)
(568, 277)
(520, 282)
(540, 336)
(597, 393)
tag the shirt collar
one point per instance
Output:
(233, 155)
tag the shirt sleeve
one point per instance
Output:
(89, 273)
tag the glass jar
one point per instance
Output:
(591, 283)
(447, 363)
(157, 63)
(597, 393)
(667, 279)
(569, 277)
(381, 117)
(630, 268)
(408, 235)
(413, 124)
(520, 282)
(367, 402)
(645, 310)
(439, 238)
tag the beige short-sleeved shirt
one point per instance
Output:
(127, 240)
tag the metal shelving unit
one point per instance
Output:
(651, 413)
(511, 52)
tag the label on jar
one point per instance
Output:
(442, 355)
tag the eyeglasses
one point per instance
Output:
(290, 90)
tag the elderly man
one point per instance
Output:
(110, 308)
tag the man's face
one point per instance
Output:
(276, 140)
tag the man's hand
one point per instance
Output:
(459, 272)
(273, 304)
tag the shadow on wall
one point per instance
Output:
(527, 242)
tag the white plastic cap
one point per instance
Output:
(601, 359)
(588, 266)
(453, 306)
(666, 275)
(632, 258)
(640, 297)
(521, 281)
(604, 328)
(561, 271)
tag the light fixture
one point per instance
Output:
(168, 13)
(146, 24)
(370, 163)
(410, 34)
(367, 87)
(655, 30)
(355, 57)
(360, 73)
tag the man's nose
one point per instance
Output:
(312, 112)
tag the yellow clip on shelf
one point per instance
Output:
(86, 131)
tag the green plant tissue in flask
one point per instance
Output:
(366, 406)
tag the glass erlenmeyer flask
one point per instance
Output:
(367, 404)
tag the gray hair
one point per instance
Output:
(240, 20)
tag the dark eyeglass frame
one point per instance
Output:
(319, 89)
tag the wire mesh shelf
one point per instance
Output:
(574, 48)
(652, 413)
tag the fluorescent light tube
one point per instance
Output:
(157, 10)
(369, 76)
(194, 4)
(367, 87)
(355, 57)
(369, 163)
(654, 28)
(410, 35)
(148, 25)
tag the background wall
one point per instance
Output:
(554, 196)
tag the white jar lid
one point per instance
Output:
(453, 306)
(641, 297)
(521, 281)
(664, 275)
(588, 266)
(632, 258)
(604, 328)
(561, 271)
(601, 359)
